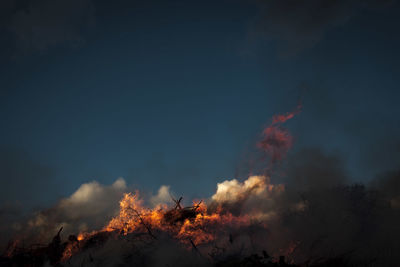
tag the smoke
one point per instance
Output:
(273, 146)
(389, 185)
(276, 140)
(90, 207)
(92, 200)
(255, 197)
(22, 178)
(137, 251)
(315, 213)
(229, 191)
(163, 196)
(319, 214)
(311, 168)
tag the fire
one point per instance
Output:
(189, 224)
(195, 225)
(192, 226)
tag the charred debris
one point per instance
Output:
(37, 255)
(54, 253)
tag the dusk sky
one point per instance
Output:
(177, 92)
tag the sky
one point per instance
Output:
(177, 92)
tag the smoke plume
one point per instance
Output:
(314, 215)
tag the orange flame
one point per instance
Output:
(187, 224)
(192, 226)
(196, 225)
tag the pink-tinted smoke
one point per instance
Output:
(276, 140)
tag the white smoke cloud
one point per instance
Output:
(92, 198)
(163, 196)
(232, 190)
(311, 221)
(88, 208)
(255, 197)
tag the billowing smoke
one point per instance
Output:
(313, 214)
(88, 208)
(313, 219)
(306, 220)
(233, 190)
(255, 197)
(163, 196)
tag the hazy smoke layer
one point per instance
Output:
(317, 215)
(314, 214)
(88, 208)
(312, 220)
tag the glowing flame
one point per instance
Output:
(192, 226)
(198, 224)
(186, 224)
(195, 225)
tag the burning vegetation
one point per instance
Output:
(249, 223)
(194, 227)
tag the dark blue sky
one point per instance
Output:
(175, 92)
